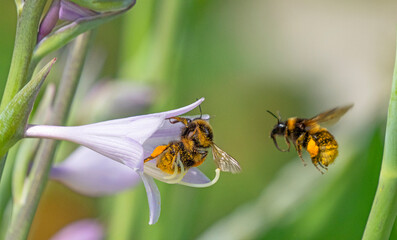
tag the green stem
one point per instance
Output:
(5, 186)
(24, 211)
(384, 207)
(25, 41)
(2, 164)
(153, 58)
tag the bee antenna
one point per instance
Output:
(274, 115)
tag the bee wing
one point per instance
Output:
(331, 116)
(224, 161)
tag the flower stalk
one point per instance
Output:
(24, 210)
(384, 207)
(25, 41)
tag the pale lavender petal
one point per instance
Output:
(195, 176)
(70, 11)
(90, 173)
(164, 115)
(153, 196)
(87, 229)
(120, 140)
(183, 110)
(49, 21)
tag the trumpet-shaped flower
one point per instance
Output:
(128, 141)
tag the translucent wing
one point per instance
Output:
(224, 161)
(330, 116)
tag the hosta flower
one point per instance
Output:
(128, 141)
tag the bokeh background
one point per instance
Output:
(244, 57)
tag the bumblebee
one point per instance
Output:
(307, 134)
(192, 149)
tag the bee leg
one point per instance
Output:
(321, 165)
(288, 143)
(316, 163)
(298, 146)
(174, 120)
(299, 151)
(276, 144)
(318, 169)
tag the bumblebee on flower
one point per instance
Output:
(131, 141)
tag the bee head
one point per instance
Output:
(200, 132)
(278, 129)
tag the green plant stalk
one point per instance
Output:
(136, 28)
(121, 219)
(24, 211)
(384, 208)
(2, 164)
(28, 148)
(13, 120)
(14, 117)
(5, 186)
(25, 41)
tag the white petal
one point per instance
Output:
(120, 140)
(153, 196)
(90, 173)
(87, 229)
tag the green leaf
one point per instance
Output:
(384, 209)
(14, 117)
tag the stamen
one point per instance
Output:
(155, 172)
(181, 174)
(175, 171)
(203, 185)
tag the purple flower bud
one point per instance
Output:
(61, 10)
(70, 11)
(50, 20)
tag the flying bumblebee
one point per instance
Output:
(196, 137)
(307, 134)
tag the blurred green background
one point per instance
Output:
(245, 57)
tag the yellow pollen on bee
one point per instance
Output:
(158, 150)
(291, 123)
(312, 148)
